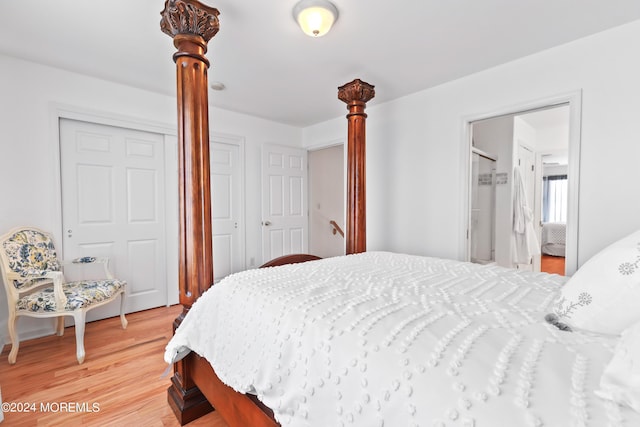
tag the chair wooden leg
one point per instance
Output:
(15, 341)
(123, 319)
(79, 317)
(60, 326)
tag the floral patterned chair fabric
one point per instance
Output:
(35, 285)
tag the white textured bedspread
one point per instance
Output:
(382, 339)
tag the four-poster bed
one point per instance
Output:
(374, 338)
(191, 25)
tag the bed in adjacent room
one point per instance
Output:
(384, 339)
(554, 238)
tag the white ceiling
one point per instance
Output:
(272, 70)
(548, 117)
(547, 120)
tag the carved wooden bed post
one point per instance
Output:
(191, 25)
(356, 94)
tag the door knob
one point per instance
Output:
(266, 223)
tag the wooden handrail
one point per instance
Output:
(336, 227)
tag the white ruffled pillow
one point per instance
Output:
(603, 295)
(620, 381)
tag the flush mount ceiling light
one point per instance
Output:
(315, 17)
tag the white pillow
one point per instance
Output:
(604, 294)
(620, 381)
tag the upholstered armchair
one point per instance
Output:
(35, 284)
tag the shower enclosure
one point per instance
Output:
(483, 205)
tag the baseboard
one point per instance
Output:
(29, 332)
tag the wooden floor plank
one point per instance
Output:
(121, 376)
(552, 264)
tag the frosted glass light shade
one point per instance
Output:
(315, 17)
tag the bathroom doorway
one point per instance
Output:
(500, 139)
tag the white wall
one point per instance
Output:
(553, 138)
(28, 145)
(416, 180)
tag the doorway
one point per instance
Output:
(326, 201)
(526, 142)
(551, 183)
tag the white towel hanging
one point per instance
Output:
(526, 244)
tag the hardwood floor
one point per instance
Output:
(119, 383)
(552, 264)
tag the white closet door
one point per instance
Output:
(113, 205)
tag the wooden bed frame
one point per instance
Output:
(194, 385)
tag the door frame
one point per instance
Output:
(63, 111)
(574, 100)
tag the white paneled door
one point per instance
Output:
(113, 205)
(226, 208)
(527, 162)
(284, 201)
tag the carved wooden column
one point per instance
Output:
(356, 94)
(191, 25)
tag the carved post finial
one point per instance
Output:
(356, 94)
(191, 25)
(189, 17)
(356, 91)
